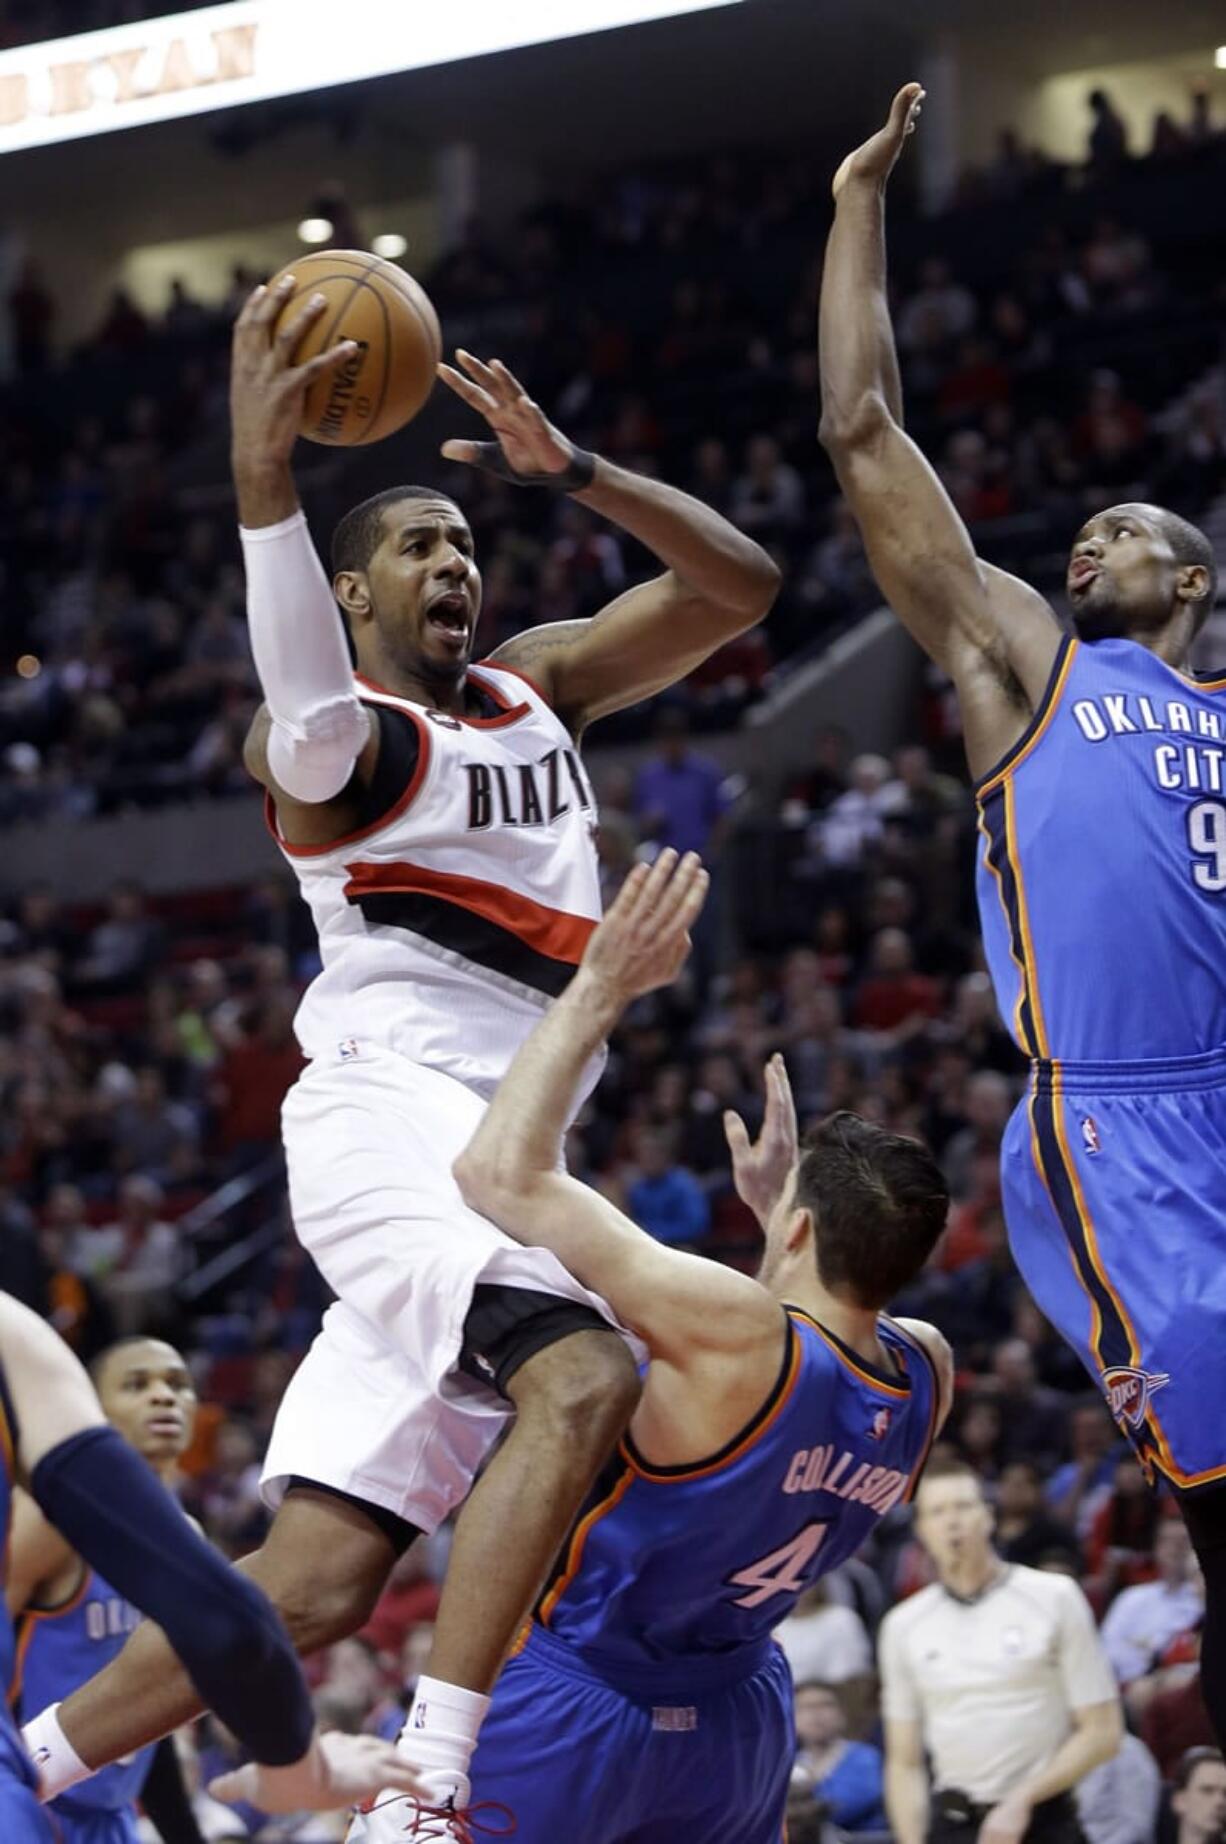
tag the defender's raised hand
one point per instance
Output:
(874, 159)
(267, 390)
(643, 941)
(529, 451)
(760, 1167)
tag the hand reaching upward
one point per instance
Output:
(874, 159)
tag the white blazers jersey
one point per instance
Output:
(463, 902)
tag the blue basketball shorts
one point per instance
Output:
(575, 1756)
(1114, 1185)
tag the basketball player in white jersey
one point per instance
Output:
(442, 829)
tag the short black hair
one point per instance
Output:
(360, 533)
(101, 1359)
(1193, 1758)
(879, 1204)
(1190, 545)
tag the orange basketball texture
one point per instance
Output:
(388, 379)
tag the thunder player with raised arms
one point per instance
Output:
(780, 1420)
(1099, 763)
(69, 1622)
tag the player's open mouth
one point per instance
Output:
(450, 613)
(167, 1426)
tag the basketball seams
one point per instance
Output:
(364, 271)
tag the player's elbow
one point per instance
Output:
(851, 425)
(758, 584)
(492, 1182)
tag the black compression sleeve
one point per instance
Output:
(102, 1497)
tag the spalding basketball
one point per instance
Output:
(391, 319)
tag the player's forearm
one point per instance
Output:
(520, 1136)
(906, 1801)
(264, 488)
(1094, 1740)
(142, 1695)
(857, 354)
(707, 555)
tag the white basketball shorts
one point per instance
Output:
(377, 1408)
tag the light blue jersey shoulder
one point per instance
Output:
(1102, 873)
(58, 1650)
(685, 1562)
(14, 1762)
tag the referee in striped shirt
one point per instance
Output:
(996, 1673)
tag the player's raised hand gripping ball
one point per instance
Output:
(644, 939)
(344, 344)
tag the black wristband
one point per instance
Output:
(572, 479)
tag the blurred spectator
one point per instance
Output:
(940, 311)
(1118, 1801)
(1120, 1541)
(678, 796)
(1078, 1489)
(853, 819)
(893, 994)
(842, 1776)
(769, 498)
(1141, 1621)
(1025, 1531)
(1033, 1414)
(137, 1259)
(1107, 146)
(123, 949)
(151, 1133)
(1176, 1722)
(31, 319)
(822, 1634)
(1199, 1798)
(666, 1200)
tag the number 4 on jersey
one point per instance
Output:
(783, 1571)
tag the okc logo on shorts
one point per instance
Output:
(880, 1425)
(1090, 1135)
(1129, 1391)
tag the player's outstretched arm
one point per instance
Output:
(312, 729)
(678, 1303)
(964, 616)
(717, 582)
(110, 1508)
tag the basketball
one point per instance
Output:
(387, 380)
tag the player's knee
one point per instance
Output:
(322, 1568)
(587, 1385)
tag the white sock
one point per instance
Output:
(439, 1737)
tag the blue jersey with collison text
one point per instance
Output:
(1102, 875)
(668, 1564)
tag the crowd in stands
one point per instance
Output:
(145, 1045)
(1067, 365)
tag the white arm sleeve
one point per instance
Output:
(319, 726)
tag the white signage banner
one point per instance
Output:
(250, 50)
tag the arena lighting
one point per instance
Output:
(1219, 57)
(250, 50)
(315, 230)
(391, 244)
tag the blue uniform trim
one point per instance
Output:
(1043, 713)
(753, 1430)
(994, 824)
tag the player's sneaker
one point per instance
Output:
(400, 1817)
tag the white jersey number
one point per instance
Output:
(1207, 838)
(783, 1571)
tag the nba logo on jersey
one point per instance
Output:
(881, 1425)
(419, 1716)
(1129, 1391)
(347, 1049)
(1090, 1135)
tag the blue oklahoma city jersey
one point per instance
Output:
(674, 1564)
(22, 1820)
(1102, 879)
(60, 1649)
